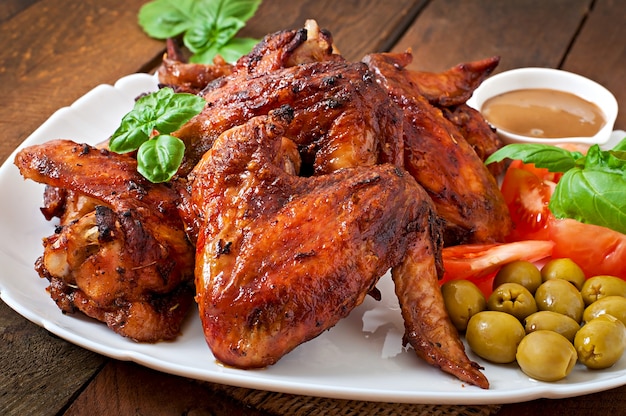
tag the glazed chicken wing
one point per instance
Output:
(119, 254)
(281, 258)
(465, 193)
(341, 116)
(277, 50)
(453, 86)
(477, 132)
(182, 76)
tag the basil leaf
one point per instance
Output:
(621, 146)
(231, 51)
(163, 19)
(241, 9)
(163, 111)
(159, 159)
(614, 161)
(555, 159)
(208, 25)
(134, 130)
(172, 111)
(200, 37)
(593, 196)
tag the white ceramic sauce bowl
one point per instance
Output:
(555, 79)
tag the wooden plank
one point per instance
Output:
(39, 373)
(599, 51)
(356, 30)
(522, 32)
(123, 388)
(60, 50)
(609, 402)
(9, 8)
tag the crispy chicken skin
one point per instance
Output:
(282, 258)
(451, 87)
(305, 179)
(465, 193)
(277, 50)
(120, 254)
(183, 76)
(478, 133)
(332, 101)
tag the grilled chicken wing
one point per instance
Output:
(451, 87)
(341, 116)
(183, 76)
(120, 254)
(278, 50)
(465, 193)
(281, 258)
(478, 133)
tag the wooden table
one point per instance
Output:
(54, 51)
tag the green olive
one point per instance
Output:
(558, 295)
(463, 299)
(564, 269)
(552, 321)
(612, 305)
(514, 299)
(523, 272)
(546, 355)
(598, 287)
(494, 336)
(600, 343)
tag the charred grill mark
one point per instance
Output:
(304, 255)
(105, 220)
(223, 247)
(329, 81)
(333, 103)
(367, 181)
(134, 186)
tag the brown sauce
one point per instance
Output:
(543, 113)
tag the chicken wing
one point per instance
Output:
(451, 87)
(341, 116)
(282, 258)
(277, 50)
(120, 254)
(465, 193)
(182, 76)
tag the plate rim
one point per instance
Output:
(131, 86)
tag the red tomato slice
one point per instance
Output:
(527, 195)
(479, 262)
(541, 173)
(597, 250)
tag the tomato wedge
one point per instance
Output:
(527, 194)
(527, 191)
(479, 262)
(597, 250)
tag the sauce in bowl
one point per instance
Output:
(543, 113)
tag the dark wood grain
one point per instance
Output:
(123, 388)
(611, 402)
(522, 32)
(60, 50)
(9, 8)
(54, 51)
(39, 373)
(358, 27)
(599, 51)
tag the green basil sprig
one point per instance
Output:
(209, 26)
(146, 129)
(593, 186)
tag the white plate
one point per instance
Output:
(361, 358)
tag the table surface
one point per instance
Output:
(54, 51)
